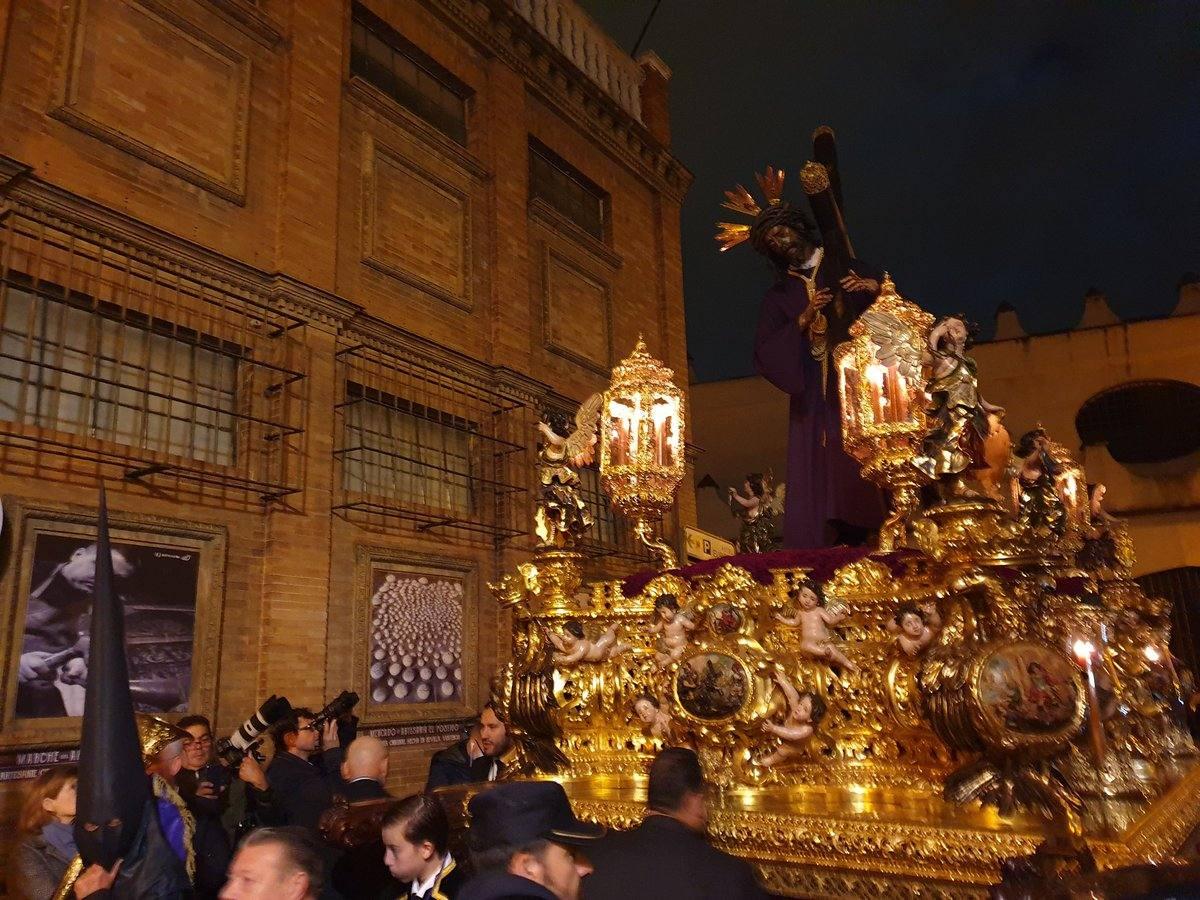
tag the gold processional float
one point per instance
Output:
(990, 683)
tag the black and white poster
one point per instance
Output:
(157, 584)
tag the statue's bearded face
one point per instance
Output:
(786, 243)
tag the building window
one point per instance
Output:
(1143, 421)
(114, 374)
(1182, 588)
(407, 453)
(567, 191)
(379, 55)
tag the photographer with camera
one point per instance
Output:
(217, 800)
(302, 788)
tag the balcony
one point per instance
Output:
(586, 45)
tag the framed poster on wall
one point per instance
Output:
(416, 656)
(169, 576)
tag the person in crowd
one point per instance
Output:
(209, 790)
(303, 789)
(276, 864)
(668, 855)
(365, 770)
(494, 742)
(452, 765)
(162, 752)
(46, 845)
(527, 843)
(360, 872)
(416, 837)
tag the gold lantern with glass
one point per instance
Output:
(882, 392)
(641, 444)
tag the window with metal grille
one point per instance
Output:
(407, 452)
(381, 56)
(566, 190)
(117, 376)
(1182, 587)
(1143, 421)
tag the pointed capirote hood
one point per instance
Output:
(113, 786)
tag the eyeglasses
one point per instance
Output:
(307, 728)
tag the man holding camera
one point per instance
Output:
(302, 788)
(210, 791)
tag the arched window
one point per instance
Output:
(1143, 421)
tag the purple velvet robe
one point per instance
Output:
(823, 482)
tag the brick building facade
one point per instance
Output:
(295, 278)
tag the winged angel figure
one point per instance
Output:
(759, 510)
(562, 515)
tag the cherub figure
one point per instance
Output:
(673, 625)
(759, 509)
(814, 620)
(562, 515)
(805, 711)
(658, 722)
(574, 646)
(915, 626)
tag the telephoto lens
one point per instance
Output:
(233, 749)
(335, 708)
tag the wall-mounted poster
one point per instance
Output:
(157, 584)
(418, 650)
(162, 574)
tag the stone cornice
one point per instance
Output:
(552, 220)
(252, 21)
(373, 100)
(497, 28)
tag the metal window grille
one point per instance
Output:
(1182, 587)
(437, 448)
(566, 190)
(611, 543)
(379, 55)
(397, 444)
(114, 355)
(67, 369)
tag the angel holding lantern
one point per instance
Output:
(758, 510)
(562, 516)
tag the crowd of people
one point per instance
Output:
(318, 822)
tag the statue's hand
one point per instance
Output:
(855, 282)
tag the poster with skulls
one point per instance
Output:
(416, 646)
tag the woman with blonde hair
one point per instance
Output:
(46, 846)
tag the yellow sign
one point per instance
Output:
(702, 545)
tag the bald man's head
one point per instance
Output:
(366, 757)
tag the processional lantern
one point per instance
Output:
(883, 400)
(641, 444)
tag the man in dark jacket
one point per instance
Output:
(452, 765)
(526, 843)
(360, 871)
(303, 789)
(668, 855)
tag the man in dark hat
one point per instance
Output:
(116, 819)
(668, 855)
(526, 843)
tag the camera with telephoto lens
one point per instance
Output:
(335, 709)
(233, 749)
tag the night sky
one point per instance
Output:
(1018, 152)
